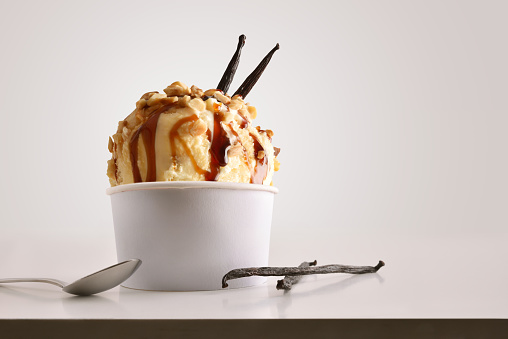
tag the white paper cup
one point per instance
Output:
(190, 234)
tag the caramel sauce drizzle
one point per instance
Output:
(174, 135)
(147, 131)
(218, 145)
(219, 142)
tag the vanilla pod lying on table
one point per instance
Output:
(289, 281)
(297, 271)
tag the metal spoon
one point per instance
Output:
(97, 282)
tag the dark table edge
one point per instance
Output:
(255, 328)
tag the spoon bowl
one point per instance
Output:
(94, 283)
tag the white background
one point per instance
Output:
(391, 115)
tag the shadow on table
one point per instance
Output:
(283, 300)
(339, 285)
(73, 306)
(97, 305)
(334, 287)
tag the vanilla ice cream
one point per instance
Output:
(185, 134)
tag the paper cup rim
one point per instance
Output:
(189, 184)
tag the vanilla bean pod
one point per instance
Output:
(228, 75)
(289, 281)
(295, 271)
(254, 76)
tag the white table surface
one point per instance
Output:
(440, 276)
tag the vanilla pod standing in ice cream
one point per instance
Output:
(254, 76)
(227, 78)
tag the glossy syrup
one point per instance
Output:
(147, 132)
(219, 142)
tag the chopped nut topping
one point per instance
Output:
(111, 170)
(261, 154)
(111, 144)
(210, 92)
(155, 99)
(197, 104)
(125, 132)
(269, 133)
(177, 88)
(181, 84)
(147, 96)
(196, 92)
(235, 104)
(121, 124)
(276, 151)
(235, 150)
(252, 111)
(244, 112)
(169, 100)
(221, 97)
(237, 97)
(185, 88)
(139, 116)
(198, 127)
(174, 91)
(184, 101)
(141, 103)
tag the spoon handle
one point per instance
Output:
(56, 282)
